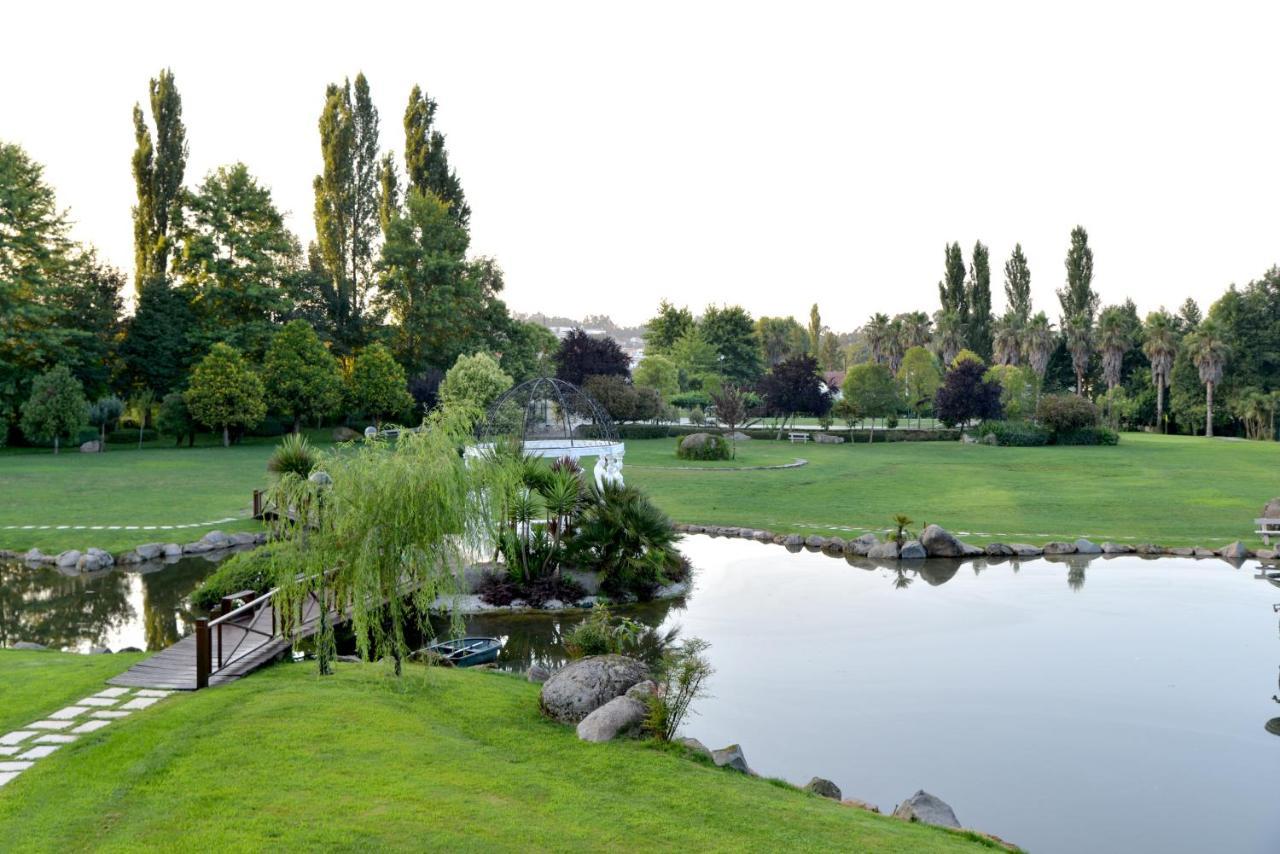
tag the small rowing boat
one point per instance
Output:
(467, 652)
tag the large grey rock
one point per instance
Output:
(1181, 551)
(35, 556)
(216, 539)
(642, 691)
(762, 536)
(731, 757)
(344, 434)
(695, 441)
(150, 551)
(927, 809)
(1085, 547)
(1266, 554)
(68, 559)
(1116, 549)
(90, 447)
(825, 788)
(1059, 548)
(861, 545)
(813, 541)
(793, 541)
(538, 674)
(939, 542)
(828, 439)
(1200, 552)
(619, 716)
(1235, 551)
(1026, 550)
(695, 746)
(197, 548)
(244, 538)
(834, 546)
(998, 550)
(28, 645)
(911, 550)
(104, 557)
(888, 550)
(172, 550)
(575, 691)
(89, 563)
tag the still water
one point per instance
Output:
(1110, 706)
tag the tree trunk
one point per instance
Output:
(226, 437)
(1208, 410)
(872, 437)
(297, 423)
(1160, 407)
(102, 438)
(55, 446)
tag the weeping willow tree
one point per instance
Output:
(382, 533)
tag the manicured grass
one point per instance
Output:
(35, 683)
(158, 485)
(1171, 490)
(441, 760)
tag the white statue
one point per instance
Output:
(608, 470)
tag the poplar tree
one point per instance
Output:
(1017, 285)
(426, 159)
(951, 290)
(815, 329)
(158, 169)
(1078, 300)
(389, 192)
(978, 333)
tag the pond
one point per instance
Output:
(143, 606)
(1112, 705)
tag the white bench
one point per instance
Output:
(804, 437)
(1267, 528)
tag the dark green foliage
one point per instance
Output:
(978, 292)
(967, 395)
(157, 350)
(427, 160)
(604, 634)
(951, 290)
(690, 399)
(623, 400)
(581, 356)
(794, 387)
(1017, 285)
(624, 535)
(500, 588)
(1064, 413)
(175, 419)
(1078, 298)
(626, 431)
(1087, 436)
(662, 332)
(1016, 434)
(56, 408)
(158, 169)
(300, 375)
(731, 333)
(713, 448)
(244, 571)
(682, 673)
(131, 436)
(295, 455)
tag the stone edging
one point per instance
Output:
(794, 464)
(937, 543)
(74, 561)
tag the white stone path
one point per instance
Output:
(22, 748)
(118, 527)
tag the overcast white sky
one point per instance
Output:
(773, 155)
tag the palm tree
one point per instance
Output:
(1038, 342)
(915, 329)
(1209, 353)
(947, 336)
(1253, 408)
(897, 344)
(1077, 331)
(1007, 341)
(1160, 346)
(1113, 343)
(877, 332)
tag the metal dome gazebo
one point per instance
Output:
(550, 418)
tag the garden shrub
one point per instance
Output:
(129, 436)
(270, 427)
(1087, 436)
(243, 571)
(1017, 434)
(624, 535)
(294, 454)
(1064, 413)
(500, 588)
(703, 446)
(603, 634)
(625, 431)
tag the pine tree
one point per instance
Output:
(158, 170)
(1017, 285)
(1078, 300)
(427, 160)
(978, 334)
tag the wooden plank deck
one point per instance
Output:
(175, 668)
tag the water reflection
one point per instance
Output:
(142, 606)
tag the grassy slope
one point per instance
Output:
(33, 684)
(442, 760)
(158, 485)
(1171, 490)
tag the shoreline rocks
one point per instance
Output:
(578, 689)
(927, 809)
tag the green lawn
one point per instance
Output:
(1172, 490)
(441, 760)
(158, 485)
(33, 684)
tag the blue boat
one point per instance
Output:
(467, 652)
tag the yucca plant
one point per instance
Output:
(294, 454)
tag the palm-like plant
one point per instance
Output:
(896, 344)
(877, 332)
(1078, 345)
(1113, 343)
(1007, 341)
(1209, 352)
(916, 330)
(948, 336)
(1038, 341)
(1160, 345)
(627, 537)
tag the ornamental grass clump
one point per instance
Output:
(385, 537)
(682, 675)
(604, 634)
(295, 455)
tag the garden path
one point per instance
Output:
(119, 527)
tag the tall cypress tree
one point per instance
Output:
(158, 170)
(1017, 285)
(389, 192)
(951, 290)
(979, 298)
(427, 160)
(1078, 300)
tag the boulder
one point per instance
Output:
(834, 546)
(28, 645)
(1085, 547)
(619, 716)
(911, 550)
(344, 434)
(150, 551)
(738, 436)
(1026, 550)
(1110, 548)
(68, 559)
(940, 543)
(216, 539)
(1149, 549)
(695, 441)
(731, 757)
(103, 556)
(89, 563)
(862, 545)
(695, 746)
(1235, 551)
(813, 541)
(34, 556)
(575, 691)
(172, 550)
(825, 788)
(196, 548)
(888, 550)
(642, 691)
(999, 550)
(244, 538)
(1059, 548)
(1199, 552)
(538, 674)
(1266, 554)
(91, 447)
(762, 536)
(927, 809)
(828, 439)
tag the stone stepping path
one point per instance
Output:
(22, 748)
(119, 527)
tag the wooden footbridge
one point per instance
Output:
(237, 642)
